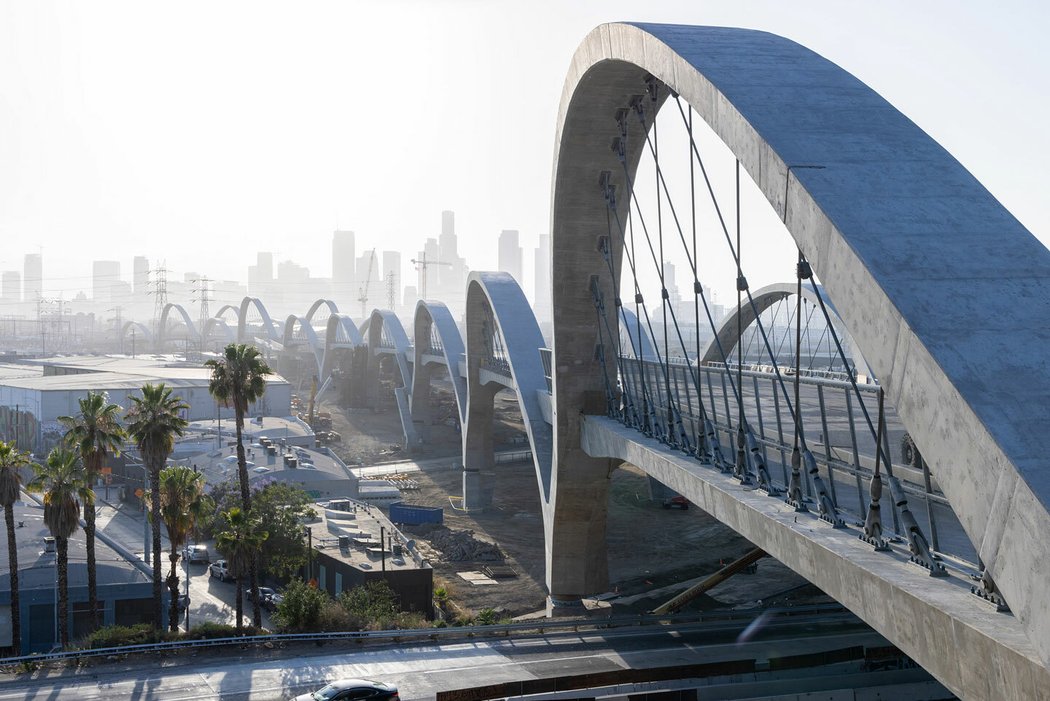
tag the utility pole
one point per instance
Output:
(421, 265)
(119, 326)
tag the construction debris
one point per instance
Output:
(461, 546)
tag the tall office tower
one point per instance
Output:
(343, 257)
(104, 276)
(671, 283)
(510, 256)
(260, 275)
(541, 296)
(391, 279)
(33, 277)
(11, 286)
(448, 282)
(140, 276)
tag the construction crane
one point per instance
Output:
(363, 299)
(421, 265)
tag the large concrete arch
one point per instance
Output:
(640, 344)
(765, 298)
(925, 265)
(435, 318)
(496, 305)
(162, 327)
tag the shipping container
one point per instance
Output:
(412, 514)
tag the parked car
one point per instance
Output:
(219, 570)
(345, 689)
(196, 553)
(268, 597)
(677, 502)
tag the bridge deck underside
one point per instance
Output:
(936, 621)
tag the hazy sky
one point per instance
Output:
(199, 133)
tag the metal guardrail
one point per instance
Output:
(495, 630)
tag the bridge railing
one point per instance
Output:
(664, 402)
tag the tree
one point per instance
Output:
(240, 543)
(153, 424)
(183, 502)
(63, 481)
(93, 433)
(301, 608)
(238, 379)
(12, 460)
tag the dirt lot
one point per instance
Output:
(651, 549)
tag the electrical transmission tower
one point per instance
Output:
(160, 296)
(391, 289)
(202, 291)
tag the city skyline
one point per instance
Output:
(240, 148)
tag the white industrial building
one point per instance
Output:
(34, 393)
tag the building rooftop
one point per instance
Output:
(36, 568)
(361, 527)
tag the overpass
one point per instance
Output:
(936, 287)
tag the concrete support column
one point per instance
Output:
(478, 446)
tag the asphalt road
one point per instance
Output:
(421, 671)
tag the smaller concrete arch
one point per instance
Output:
(332, 308)
(382, 323)
(309, 337)
(162, 328)
(498, 297)
(216, 328)
(435, 319)
(269, 328)
(641, 345)
(135, 331)
(765, 298)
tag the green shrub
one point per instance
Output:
(301, 609)
(118, 636)
(210, 631)
(487, 617)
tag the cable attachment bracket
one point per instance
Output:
(920, 549)
(872, 533)
(794, 492)
(986, 589)
(804, 270)
(765, 482)
(741, 470)
(608, 188)
(741, 283)
(825, 504)
(652, 87)
(714, 448)
(619, 147)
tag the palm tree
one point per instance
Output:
(12, 460)
(63, 481)
(183, 502)
(239, 379)
(240, 543)
(93, 433)
(154, 423)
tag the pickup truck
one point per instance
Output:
(219, 570)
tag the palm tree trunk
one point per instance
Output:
(242, 460)
(253, 578)
(240, 605)
(89, 541)
(12, 563)
(62, 545)
(154, 460)
(173, 591)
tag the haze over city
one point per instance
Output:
(197, 139)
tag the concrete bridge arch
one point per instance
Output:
(911, 247)
(433, 319)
